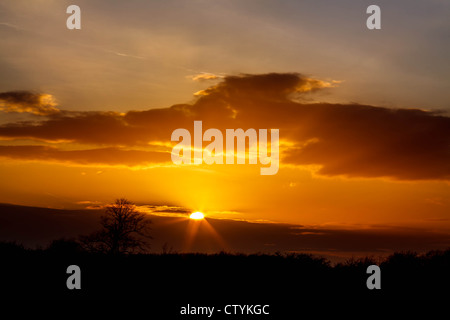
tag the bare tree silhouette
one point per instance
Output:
(125, 230)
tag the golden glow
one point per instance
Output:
(293, 195)
(197, 215)
(199, 226)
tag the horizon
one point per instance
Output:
(172, 230)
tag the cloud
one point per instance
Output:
(25, 101)
(350, 140)
(314, 84)
(101, 156)
(366, 141)
(205, 76)
(164, 210)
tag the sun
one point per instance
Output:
(197, 215)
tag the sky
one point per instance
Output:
(86, 115)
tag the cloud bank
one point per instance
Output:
(350, 140)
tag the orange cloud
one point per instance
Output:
(314, 84)
(342, 139)
(25, 101)
(205, 76)
(102, 156)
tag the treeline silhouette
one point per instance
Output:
(115, 264)
(41, 273)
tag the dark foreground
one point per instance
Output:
(41, 274)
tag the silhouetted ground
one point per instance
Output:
(41, 274)
(34, 226)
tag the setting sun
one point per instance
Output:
(197, 215)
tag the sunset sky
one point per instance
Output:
(86, 115)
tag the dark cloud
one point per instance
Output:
(366, 141)
(343, 139)
(24, 101)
